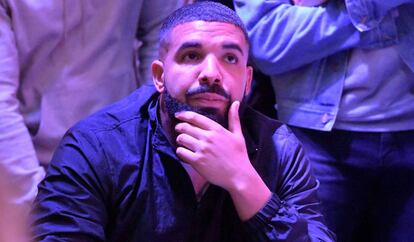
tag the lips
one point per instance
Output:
(209, 96)
(207, 99)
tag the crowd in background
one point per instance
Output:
(60, 61)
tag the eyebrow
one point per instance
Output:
(194, 44)
(188, 45)
(234, 47)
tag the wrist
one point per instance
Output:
(249, 194)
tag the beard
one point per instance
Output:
(173, 105)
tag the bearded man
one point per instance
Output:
(186, 161)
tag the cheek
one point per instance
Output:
(176, 86)
(180, 79)
(237, 87)
(239, 95)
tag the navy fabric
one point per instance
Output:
(367, 182)
(115, 177)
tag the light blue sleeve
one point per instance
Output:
(367, 15)
(284, 37)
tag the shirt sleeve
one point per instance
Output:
(19, 166)
(153, 13)
(284, 37)
(72, 204)
(293, 212)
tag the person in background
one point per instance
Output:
(261, 89)
(343, 75)
(175, 161)
(59, 62)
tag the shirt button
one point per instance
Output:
(325, 118)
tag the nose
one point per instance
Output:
(210, 72)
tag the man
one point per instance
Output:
(343, 75)
(179, 164)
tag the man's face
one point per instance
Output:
(204, 69)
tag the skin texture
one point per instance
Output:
(210, 54)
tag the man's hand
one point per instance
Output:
(217, 154)
(220, 156)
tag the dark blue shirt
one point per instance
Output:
(115, 177)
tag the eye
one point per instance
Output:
(190, 57)
(232, 59)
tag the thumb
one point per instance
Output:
(234, 119)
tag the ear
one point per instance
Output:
(157, 69)
(249, 78)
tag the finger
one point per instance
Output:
(196, 119)
(186, 128)
(234, 119)
(186, 155)
(188, 142)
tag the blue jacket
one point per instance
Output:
(115, 177)
(305, 50)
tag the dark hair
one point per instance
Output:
(200, 11)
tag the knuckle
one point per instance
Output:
(203, 147)
(209, 136)
(198, 158)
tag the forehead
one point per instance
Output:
(208, 32)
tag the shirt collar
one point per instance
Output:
(159, 139)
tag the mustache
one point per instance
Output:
(208, 89)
